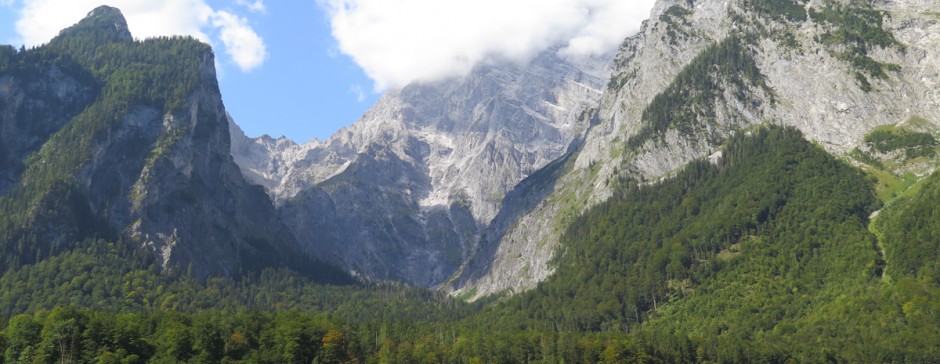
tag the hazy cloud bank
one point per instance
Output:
(400, 41)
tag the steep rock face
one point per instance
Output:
(105, 137)
(192, 204)
(35, 103)
(812, 70)
(407, 187)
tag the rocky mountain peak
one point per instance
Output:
(148, 163)
(104, 23)
(403, 192)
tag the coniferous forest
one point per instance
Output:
(775, 251)
(787, 267)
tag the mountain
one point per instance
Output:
(756, 181)
(403, 193)
(698, 73)
(443, 185)
(109, 138)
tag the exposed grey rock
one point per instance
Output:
(811, 89)
(403, 193)
(193, 207)
(425, 150)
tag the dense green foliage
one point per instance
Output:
(856, 25)
(911, 234)
(914, 144)
(161, 72)
(689, 101)
(68, 335)
(159, 317)
(764, 257)
(75, 335)
(648, 242)
(116, 277)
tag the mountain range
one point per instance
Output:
(404, 192)
(738, 179)
(600, 120)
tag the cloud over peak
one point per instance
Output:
(401, 41)
(40, 20)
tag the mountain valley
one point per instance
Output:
(743, 181)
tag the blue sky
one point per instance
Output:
(306, 88)
(306, 68)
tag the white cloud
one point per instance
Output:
(41, 20)
(241, 42)
(256, 6)
(397, 42)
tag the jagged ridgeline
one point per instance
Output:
(110, 138)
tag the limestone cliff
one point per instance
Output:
(700, 71)
(402, 193)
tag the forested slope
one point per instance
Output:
(763, 254)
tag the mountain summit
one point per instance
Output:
(104, 23)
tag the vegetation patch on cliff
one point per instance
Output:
(689, 101)
(851, 31)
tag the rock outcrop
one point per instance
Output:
(403, 193)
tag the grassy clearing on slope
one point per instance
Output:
(890, 186)
(897, 156)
